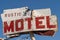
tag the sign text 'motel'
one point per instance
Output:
(19, 24)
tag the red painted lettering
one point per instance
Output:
(29, 22)
(48, 23)
(21, 27)
(9, 28)
(38, 26)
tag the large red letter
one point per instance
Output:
(48, 23)
(9, 27)
(29, 22)
(38, 26)
(19, 25)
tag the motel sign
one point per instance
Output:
(20, 20)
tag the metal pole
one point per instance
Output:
(32, 36)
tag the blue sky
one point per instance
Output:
(54, 5)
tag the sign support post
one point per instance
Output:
(32, 36)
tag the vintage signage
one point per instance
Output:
(40, 20)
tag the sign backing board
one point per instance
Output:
(18, 24)
(41, 12)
